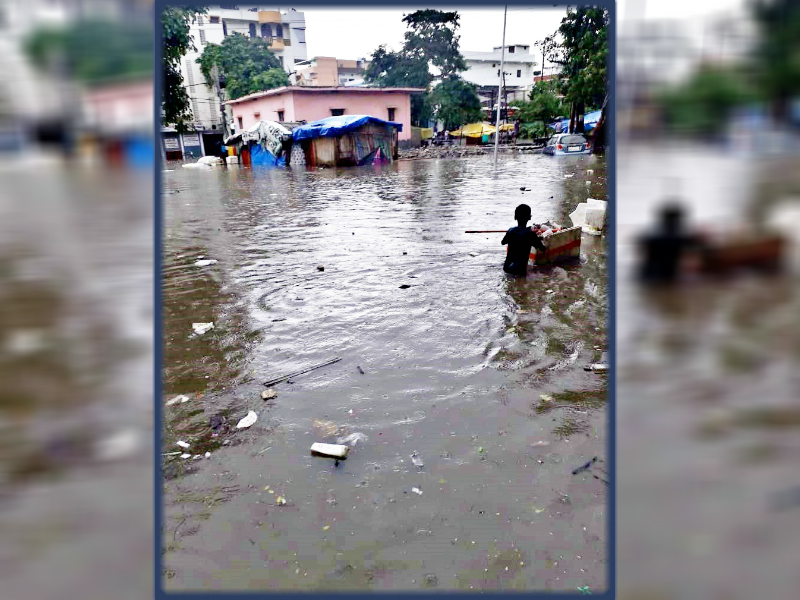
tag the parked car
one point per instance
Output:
(567, 143)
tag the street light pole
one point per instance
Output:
(500, 87)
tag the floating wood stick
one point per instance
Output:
(296, 373)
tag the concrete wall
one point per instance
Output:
(299, 106)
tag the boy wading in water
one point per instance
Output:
(520, 240)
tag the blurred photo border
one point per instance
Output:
(610, 241)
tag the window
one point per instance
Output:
(280, 116)
(519, 72)
(199, 20)
(266, 30)
(494, 65)
(240, 122)
(391, 113)
(224, 29)
(252, 30)
(511, 49)
(279, 32)
(214, 20)
(203, 37)
(337, 112)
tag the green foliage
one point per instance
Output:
(432, 37)
(176, 42)
(430, 41)
(92, 51)
(544, 104)
(703, 104)
(247, 65)
(777, 54)
(457, 101)
(582, 55)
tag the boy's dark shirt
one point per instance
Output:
(520, 240)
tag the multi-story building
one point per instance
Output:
(283, 28)
(484, 71)
(325, 71)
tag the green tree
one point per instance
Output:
(431, 41)
(544, 104)
(94, 51)
(457, 102)
(583, 57)
(176, 43)
(703, 104)
(432, 36)
(777, 52)
(246, 65)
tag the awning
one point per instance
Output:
(474, 130)
(335, 126)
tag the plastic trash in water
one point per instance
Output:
(182, 398)
(251, 418)
(186, 455)
(183, 444)
(119, 445)
(269, 394)
(352, 439)
(417, 460)
(201, 328)
(416, 490)
(205, 263)
(208, 455)
(473, 254)
(597, 368)
(330, 450)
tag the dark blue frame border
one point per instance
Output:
(611, 241)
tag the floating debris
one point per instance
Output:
(201, 328)
(473, 254)
(417, 460)
(251, 418)
(360, 370)
(182, 444)
(326, 528)
(585, 467)
(337, 451)
(541, 443)
(269, 394)
(186, 455)
(205, 263)
(320, 268)
(597, 368)
(352, 439)
(208, 454)
(416, 490)
(182, 398)
(405, 286)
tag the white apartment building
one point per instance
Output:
(284, 28)
(484, 71)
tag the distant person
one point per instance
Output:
(516, 131)
(520, 240)
(664, 248)
(446, 136)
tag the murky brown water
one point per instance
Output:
(453, 369)
(707, 397)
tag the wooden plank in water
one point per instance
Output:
(329, 450)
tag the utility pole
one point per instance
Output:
(500, 87)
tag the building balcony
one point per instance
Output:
(276, 44)
(269, 16)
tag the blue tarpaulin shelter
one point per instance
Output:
(336, 126)
(589, 122)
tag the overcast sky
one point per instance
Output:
(356, 33)
(352, 33)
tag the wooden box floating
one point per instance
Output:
(562, 245)
(329, 450)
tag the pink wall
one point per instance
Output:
(318, 105)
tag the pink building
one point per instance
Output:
(292, 104)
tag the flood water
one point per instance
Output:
(451, 368)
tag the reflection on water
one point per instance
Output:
(707, 399)
(451, 365)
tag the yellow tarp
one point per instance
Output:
(427, 133)
(474, 130)
(507, 127)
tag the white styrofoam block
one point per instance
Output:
(333, 450)
(595, 217)
(578, 216)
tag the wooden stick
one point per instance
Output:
(488, 231)
(296, 373)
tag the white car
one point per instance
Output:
(567, 143)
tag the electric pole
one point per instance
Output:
(500, 87)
